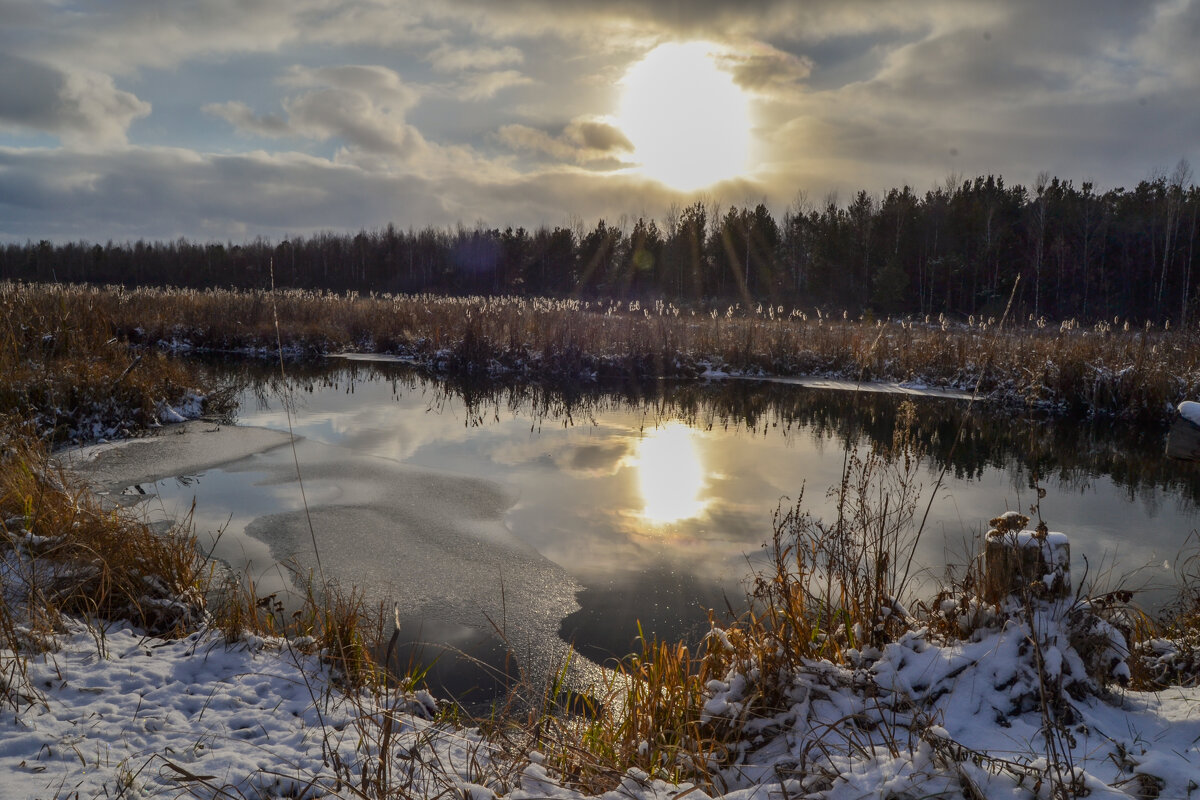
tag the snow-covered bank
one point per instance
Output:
(912, 389)
(120, 714)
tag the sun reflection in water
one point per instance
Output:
(670, 474)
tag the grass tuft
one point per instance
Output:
(68, 554)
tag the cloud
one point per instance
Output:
(600, 19)
(362, 106)
(596, 135)
(1066, 87)
(378, 24)
(456, 59)
(380, 81)
(122, 37)
(165, 193)
(651, 21)
(82, 108)
(523, 137)
(1168, 44)
(242, 117)
(764, 69)
(581, 141)
(486, 85)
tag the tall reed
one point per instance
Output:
(1135, 373)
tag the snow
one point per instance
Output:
(376, 358)
(117, 709)
(912, 388)
(1190, 411)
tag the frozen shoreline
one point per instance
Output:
(120, 713)
(843, 385)
(434, 542)
(809, 382)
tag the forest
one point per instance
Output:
(957, 250)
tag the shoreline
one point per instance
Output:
(812, 711)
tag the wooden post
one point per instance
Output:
(1183, 442)
(1023, 563)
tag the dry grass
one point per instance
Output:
(70, 555)
(647, 715)
(1107, 369)
(327, 618)
(69, 371)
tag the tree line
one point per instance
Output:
(958, 249)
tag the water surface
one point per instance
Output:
(516, 519)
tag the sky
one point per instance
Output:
(224, 120)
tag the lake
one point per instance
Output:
(510, 520)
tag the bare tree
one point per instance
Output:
(1187, 266)
(1039, 224)
(1181, 176)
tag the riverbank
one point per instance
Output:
(809, 695)
(951, 697)
(1030, 699)
(1109, 369)
(138, 717)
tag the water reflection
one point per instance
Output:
(594, 470)
(1069, 453)
(670, 474)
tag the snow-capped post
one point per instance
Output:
(1021, 563)
(1183, 442)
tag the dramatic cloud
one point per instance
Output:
(762, 68)
(581, 141)
(362, 106)
(117, 119)
(82, 108)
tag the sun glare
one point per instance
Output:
(688, 121)
(670, 474)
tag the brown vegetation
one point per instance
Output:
(1106, 369)
(69, 372)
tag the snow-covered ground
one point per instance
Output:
(1190, 411)
(120, 714)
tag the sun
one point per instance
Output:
(688, 121)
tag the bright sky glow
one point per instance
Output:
(229, 121)
(688, 121)
(670, 474)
